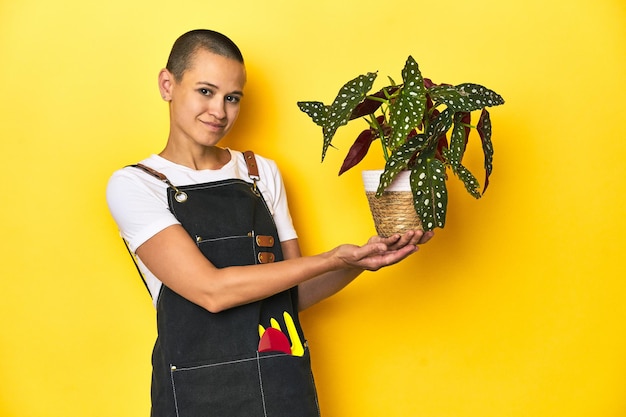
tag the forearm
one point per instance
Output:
(315, 290)
(239, 285)
(323, 286)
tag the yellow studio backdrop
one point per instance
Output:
(515, 309)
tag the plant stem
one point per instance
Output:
(374, 124)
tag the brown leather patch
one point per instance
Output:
(266, 257)
(265, 241)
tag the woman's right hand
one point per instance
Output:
(379, 252)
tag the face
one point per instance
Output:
(205, 103)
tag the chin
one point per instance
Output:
(211, 140)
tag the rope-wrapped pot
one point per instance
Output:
(393, 211)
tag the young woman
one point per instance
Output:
(213, 239)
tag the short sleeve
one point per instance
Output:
(138, 206)
(278, 201)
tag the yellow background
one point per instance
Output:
(515, 309)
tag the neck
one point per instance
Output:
(206, 157)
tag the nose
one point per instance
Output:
(217, 108)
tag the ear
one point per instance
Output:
(166, 82)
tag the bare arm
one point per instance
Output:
(323, 286)
(174, 258)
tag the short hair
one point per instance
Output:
(189, 43)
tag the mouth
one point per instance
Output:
(213, 125)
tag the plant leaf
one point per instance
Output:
(470, 182)
(316, 111)
(369, 106)
(448, 95)
(338, 113)
(430, 196)
(477, 97)
(399, 160)
(464, 97)
(440, 125)
(429, 83)
(442, 144)
(407, 110)
(358, 150)
(466, 119)
(484, 131)
(458, 140)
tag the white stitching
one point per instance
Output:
(258, 365)
(217, 239)
(191, 368)
(172, 369)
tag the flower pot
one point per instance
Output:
(393, 211)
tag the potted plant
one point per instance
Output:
(423, 129)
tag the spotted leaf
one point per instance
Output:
(484, 131)
(470, 182)
(458, 139)
(477, 97)
(338, 113)
(440, 125)
(349, 96)
(407, 110)
(316, 110)
(430, 196)
(448, 95)
(399, 160)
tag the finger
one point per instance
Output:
(410, 237)
(389, 240)
(392, 257)
(425, 237)
(353, 255)
(374, 239)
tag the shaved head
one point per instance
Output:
(182, 54)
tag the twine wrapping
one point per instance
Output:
(393, 212)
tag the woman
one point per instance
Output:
(214, 242)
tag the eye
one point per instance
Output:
(205, 91)
(233, 99)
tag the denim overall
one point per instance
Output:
(211, 364)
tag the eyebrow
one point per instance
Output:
(208, 84)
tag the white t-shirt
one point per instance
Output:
(138, 201)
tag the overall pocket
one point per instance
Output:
(220, 251)
(264, 385)
(288, 386)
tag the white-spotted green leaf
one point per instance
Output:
(470, 182)
(484, 131)
(448, 95)
(457, 141)
(399, 160)
(338, 113)
(349, 96)
(478, 97)
(440, 125)
(316, 110)
(430, 196)
(407, 110)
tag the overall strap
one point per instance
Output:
(180, 196)
(253, 170)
